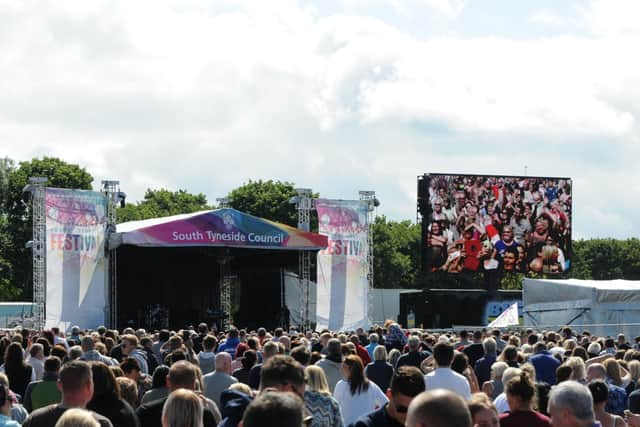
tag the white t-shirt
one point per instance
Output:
(354, 406)
(449, 380)
(501, 403)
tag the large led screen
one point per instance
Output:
(495, 224)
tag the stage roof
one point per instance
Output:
(218, 228)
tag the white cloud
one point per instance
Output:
(205, 96)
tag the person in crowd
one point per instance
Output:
(617, 400)
(18, 372)
(395, 338)
(393, 356)
(355, 393)
(301, 354)
(220, 379)
(106, 399)
(616, 374)
(229, 345)
(131, 370)
(501, 403)
(248, 362)
(415, 356)
(600, 393)
(521, 393)
(545, 364)
(360, 350)
(5, 408)
(269, 350)
(182, 375)
(318, 399)
(571, 405)
(407, 383)
(44, 392)
(183, 408)
(494, 386)
(438, 408)
(76, 384)
(460, 364)
(18, 412)
(483, 365)
(36, 360)
(483, 412)
(563, 373)
(159, 388)
(130, 348)
(443, 376)
(129, 391)
(332, 363)
(373, 343)
(206, 357)
(379, 371)
(77, 417)
(90, 354)
(274, 409)
(156, 347)
(475, 350)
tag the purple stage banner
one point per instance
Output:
(343, 288)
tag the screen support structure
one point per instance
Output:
(304, 204)
(113, 196)
(369, 198)
(39, 249)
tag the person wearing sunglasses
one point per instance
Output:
(407, 382)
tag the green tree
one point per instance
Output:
(396, 253)
(267, 199)
(7, 291)
(161, 203)
(19, 223)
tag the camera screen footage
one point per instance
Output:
(495, 224)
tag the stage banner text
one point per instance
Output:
(76, 264)
(343, 289)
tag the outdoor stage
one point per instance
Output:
(175, 271)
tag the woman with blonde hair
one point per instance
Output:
(318, 400)
(379, 370)
(578, 369)
(77, 418)
(617, 374)
(182, 409)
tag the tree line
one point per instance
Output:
(396, 243)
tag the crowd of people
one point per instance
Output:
(498, 225)
(386, 376)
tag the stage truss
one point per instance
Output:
(304, 204)
(369, 197)
(39, 249)
(113, 196)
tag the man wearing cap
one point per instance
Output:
(414, 356)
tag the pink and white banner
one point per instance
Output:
(343, 288)
(76, 264)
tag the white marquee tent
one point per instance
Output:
(604, 307)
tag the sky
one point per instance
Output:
(334, 95)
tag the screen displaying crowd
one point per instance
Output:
(498, 224)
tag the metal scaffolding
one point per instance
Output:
(369, 197)
(226, 282)
(113, 196)
(39, 249)
(304, 204)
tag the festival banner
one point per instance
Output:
(343, 288)
(76, 264)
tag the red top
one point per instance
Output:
(524, 419)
